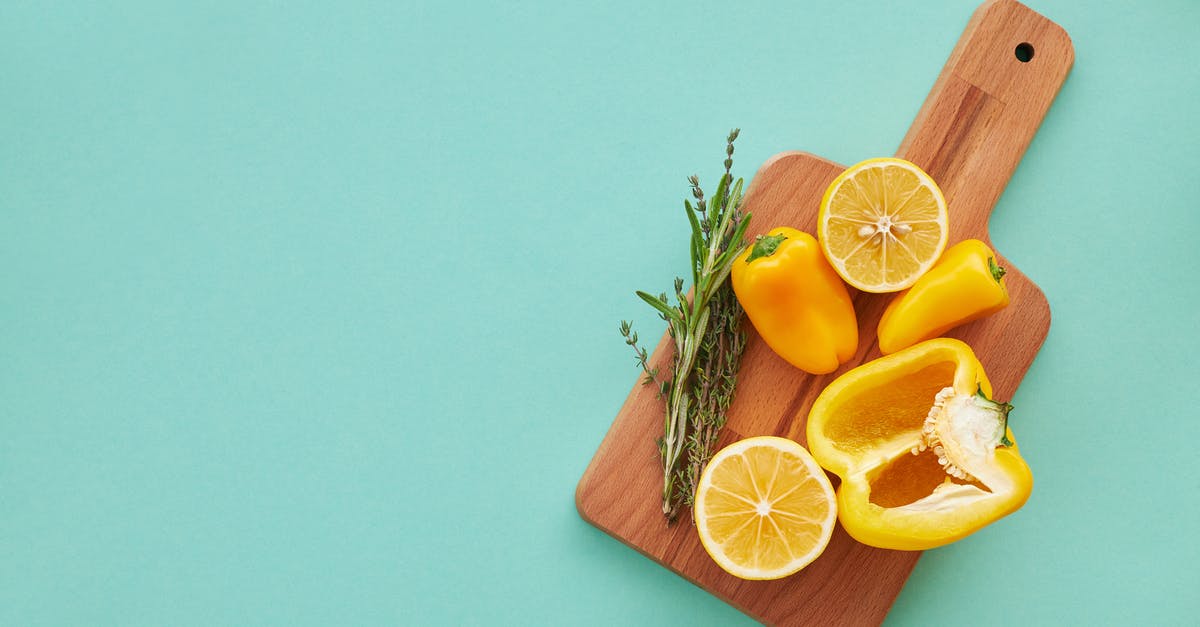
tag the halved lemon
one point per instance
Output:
(882, 224)
(764, 508)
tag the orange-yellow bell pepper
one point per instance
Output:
(925, 457)
(964, 285)
(796, 301)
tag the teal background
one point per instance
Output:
(308, 313)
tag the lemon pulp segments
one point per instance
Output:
(764, 508)
(882, 224)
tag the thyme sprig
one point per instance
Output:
(706, 334)
(715, 379)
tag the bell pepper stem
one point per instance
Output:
(996, 269)
(1004, 408)
(765, 246)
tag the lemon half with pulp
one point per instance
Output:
(882, 224)
(764, 508)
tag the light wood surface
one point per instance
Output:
(969, 135)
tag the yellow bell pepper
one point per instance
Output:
(796, 301)
(964, 285)
(925, 457)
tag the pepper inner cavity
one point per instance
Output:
(901, 405)
(910, 478)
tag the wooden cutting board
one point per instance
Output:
(969, 135)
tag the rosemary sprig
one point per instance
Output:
(706, 334)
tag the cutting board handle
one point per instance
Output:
(986, 107)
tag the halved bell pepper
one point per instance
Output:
(925, 456)
(964, 285)
(796, 300)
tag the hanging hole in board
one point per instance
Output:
(1024, 52)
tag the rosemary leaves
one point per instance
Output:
(707, 339)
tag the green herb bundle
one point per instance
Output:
(707, 338)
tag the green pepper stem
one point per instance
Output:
(1003, 408)
(765, 245)
(997, 270)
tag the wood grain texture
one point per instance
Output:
(969, 135)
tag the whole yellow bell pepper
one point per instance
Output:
(925, 457)
(964, 285)
(796, 301)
